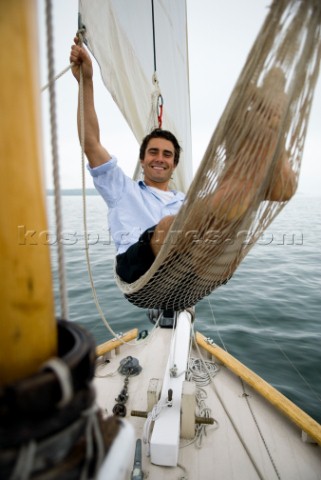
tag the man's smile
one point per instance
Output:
(158, 167)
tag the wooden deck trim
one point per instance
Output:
(271, 394)
(110, 345)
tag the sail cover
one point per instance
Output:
(120, 35)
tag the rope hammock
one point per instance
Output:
(251, 167)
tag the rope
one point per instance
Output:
(80, 34)
(95, 439)
(250, 168)
(84, 203)
(56, 77)
(57, 190)
(63, 374)
(198, 374)
(24, 464)
(55, 161)
(152, 417)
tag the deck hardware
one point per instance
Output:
(120, 410)
(139, 413)
(204, 420)
(173, 371)
(129, 366)
(198, 420)
(137, 473)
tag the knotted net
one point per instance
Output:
(251, 166)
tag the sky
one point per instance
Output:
(220, 35)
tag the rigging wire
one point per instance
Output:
(154, 36)
(290, 362)
(317, 396)
(215, 324)
(238, 433)
(159, 99)
(55, 162)
(246, 396)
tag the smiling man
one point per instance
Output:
(139, 213)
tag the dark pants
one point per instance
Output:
(137, 259)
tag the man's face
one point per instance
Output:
(158, 163)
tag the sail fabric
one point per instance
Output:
(120, 36)
(251, 166)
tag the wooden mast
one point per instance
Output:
(27, 326)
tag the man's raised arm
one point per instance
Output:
(95, 152)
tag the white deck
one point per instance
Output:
(222, 456)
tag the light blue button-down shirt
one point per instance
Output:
(132, 206)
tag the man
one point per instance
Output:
(140, 214)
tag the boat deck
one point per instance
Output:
(250, 439)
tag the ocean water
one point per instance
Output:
(267, 316)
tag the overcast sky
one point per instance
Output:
(221, 33)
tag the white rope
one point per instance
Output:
(24, 464)
(56, 77)
(55, 161)
(93, 437)
(62, 372)
(84, 204)
(201, 377)
(203, 411)
(198, 374)
(185, 472)
(152, 417)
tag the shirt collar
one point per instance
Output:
(178, 194)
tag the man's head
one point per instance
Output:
(159, 133)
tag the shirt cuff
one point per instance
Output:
(103, 168)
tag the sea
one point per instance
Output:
(267, 316)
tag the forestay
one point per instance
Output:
(251, 167)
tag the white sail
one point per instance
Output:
(120, 36)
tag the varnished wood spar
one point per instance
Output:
(116, 342)
(27, 325)
(276, 398)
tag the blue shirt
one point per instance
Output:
(132, 206)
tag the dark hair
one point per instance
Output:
(159, 133)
